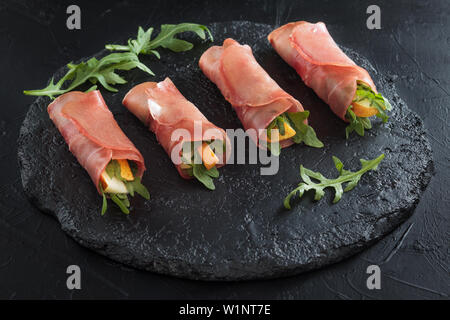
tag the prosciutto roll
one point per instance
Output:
(95, 139)
(181, 129)
(322, 65)
(257, 99)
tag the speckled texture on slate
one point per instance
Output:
(240, 231)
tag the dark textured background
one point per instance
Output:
(413, 44)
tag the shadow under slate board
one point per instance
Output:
(240, 230)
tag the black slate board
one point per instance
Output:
(239, 231)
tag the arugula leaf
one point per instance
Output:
(104, 202)
(345, 176)
(274, 147)
(204, 176)
(112, 167)
(134, 45)
(213, 172)
(280, 125)
(135, 186)
(124, 198)
(138, 187)
(143, 44)
(196, 168)
(358, 124)
(102, 71)
(166, 38)
(120, 204)
(304, 132)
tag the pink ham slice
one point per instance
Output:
(92, 133)
(162, 108)
(322, 65)
(254, 95)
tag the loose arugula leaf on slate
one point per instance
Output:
(166, 38)
(134, 45)
(101, 71)
(143, 44)
(345, 176)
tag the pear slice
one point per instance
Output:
(112, 185)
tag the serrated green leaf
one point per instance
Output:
(352, 184)
(345, 176)
(338, 164)
(304, 133)
(103, 70)
(166, 37)
(357, 124)
(93, 70)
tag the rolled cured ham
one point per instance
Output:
(336, 79)
(181, 129)
(258, 100)
(98, 143)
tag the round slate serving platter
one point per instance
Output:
(240, 230)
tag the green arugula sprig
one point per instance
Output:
(196, 168)
(135, 186)
(101, 71)
(358, 124)
(143, 44)
(304, 133)
(345, 176)
(205, 176)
